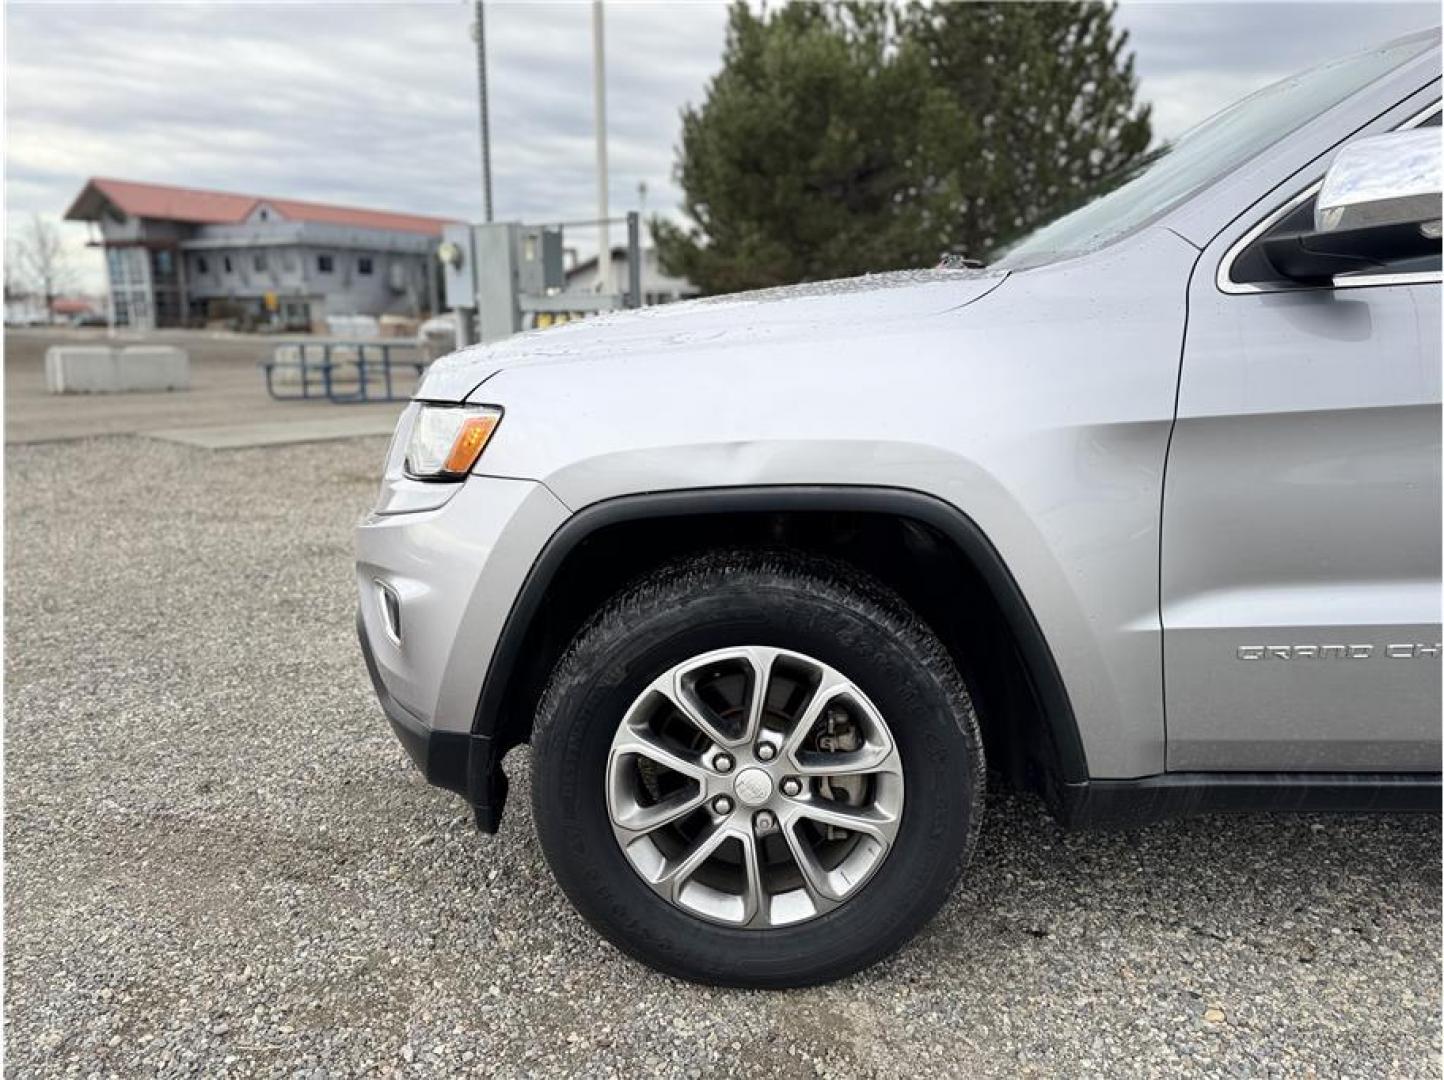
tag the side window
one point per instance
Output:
(325, 263)
(363, 265)
(1251, 266)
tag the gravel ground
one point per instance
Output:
(220, 863)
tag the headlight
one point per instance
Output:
(446, 440)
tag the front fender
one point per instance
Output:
(1041, 411)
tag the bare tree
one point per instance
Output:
(14, 281)
(42, 261)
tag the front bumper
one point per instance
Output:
(440, 755)
(451, 574)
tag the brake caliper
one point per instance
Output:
(839, 735)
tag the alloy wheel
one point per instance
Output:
(754, 787)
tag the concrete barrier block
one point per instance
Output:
(80, 369)
(100, 369)
(154, 367)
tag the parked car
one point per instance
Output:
(1143, 517)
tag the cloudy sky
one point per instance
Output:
(375, 104)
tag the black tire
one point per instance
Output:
(813, 606)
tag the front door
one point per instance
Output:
(1300, 583)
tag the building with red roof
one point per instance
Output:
(178, 256)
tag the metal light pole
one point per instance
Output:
(599, 94)
(478, 33)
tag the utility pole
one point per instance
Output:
(478, 33)
(599, 95)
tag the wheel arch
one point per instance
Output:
(596, 551)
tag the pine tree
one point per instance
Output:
(844, 138)
(1046, 113)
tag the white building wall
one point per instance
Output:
(332, 269)
(657, 287)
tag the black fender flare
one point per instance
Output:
(486, 782)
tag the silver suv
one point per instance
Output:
(1144, 517)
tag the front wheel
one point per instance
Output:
(757, 769)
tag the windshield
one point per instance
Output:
(1208, 151)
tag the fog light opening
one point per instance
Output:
(390, 611)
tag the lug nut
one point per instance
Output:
(722, 804)
(791, 787)
(764, 822)
(722, 763)
(766, 751)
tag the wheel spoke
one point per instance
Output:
(877, 753)
(644, 819)
(827, 689)
(761, 663)
(870, 759)
(677, 873)
(814, 878)
(869, 821)
(671, 688)
(754, 900)
(645, 744)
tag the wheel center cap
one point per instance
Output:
(753, 787)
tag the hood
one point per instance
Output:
(810, 313)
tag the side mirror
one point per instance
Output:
(1378, 208)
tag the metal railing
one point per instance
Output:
(341, 372)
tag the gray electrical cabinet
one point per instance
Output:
(498, 314)
(539, 259)
(489, 268)
(498, 275)
(458, 266)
